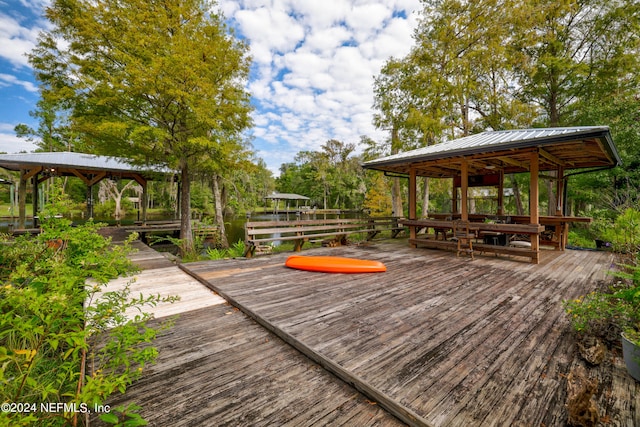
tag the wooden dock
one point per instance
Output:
(436, 341)
(159, 275)
(216, 366)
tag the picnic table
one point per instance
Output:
(518, 233)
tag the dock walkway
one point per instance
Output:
(437, 340)
(216, 366)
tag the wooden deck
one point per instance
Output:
(437, 340)
(216, 366)
(158, 275)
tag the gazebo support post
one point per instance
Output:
(560, 191)
(143, 200)
(22, 199)
(90, 201)
(412, 202)
(464, 186)
(534, 202)
(501, 193)
(35, 196)
(454, 197)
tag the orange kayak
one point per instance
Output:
(333, 264)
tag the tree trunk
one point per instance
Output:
(425, 198)
(517, 196)
(396, 192)
(396, 198)
(186, 234)
(217, 198)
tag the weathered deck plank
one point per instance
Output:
(217, 367)
(457, 342)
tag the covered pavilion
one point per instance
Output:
(485, 158)
(90, 168)
(286, 197)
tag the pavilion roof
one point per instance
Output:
(509, 150)
(78, 161)
(285, 196)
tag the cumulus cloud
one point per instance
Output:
(9, 80)
(314, 63)
(19, 35)
(10, 143)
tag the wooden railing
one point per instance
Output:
(258, 233)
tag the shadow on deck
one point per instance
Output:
(436, 340)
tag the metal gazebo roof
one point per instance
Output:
(286, 196)
(509, 150)
(65, 162)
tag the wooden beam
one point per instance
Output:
(552, 158)
(514, 162)
(534, 203)
(140, 180)
(80, 175)
(30, 173)
(413, 193)
(97, 178)
(464, 186)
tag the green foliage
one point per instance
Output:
(235, 251)
(625, 232)
(580, 240)
(332, 177)
(61, 339)
(156, 82)
(616, 308)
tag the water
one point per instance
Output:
(234, 226)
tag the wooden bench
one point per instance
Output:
(515, 229)
(301, 231)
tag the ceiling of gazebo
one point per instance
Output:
(89, 167)
(489, 153)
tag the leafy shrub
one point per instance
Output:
(235, 251)
(624, 234)
(61, 341)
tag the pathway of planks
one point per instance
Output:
(218, 367)
(437, 340)
(159, 276)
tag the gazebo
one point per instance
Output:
(91, 169)
(286, 197)
(485, 158)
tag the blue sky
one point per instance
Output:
(312, 75)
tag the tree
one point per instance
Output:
(332, 177)
(575, 57)
(500, 64)
(109, 190)
(161, 82)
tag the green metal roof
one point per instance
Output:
(571, 147)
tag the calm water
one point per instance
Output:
(234, 226)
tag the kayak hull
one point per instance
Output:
(332, 264)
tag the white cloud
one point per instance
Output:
(16, 38)
(314, 63)
(10, 80)
(10, 143)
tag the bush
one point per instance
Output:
(625, 233)
(59, 341)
